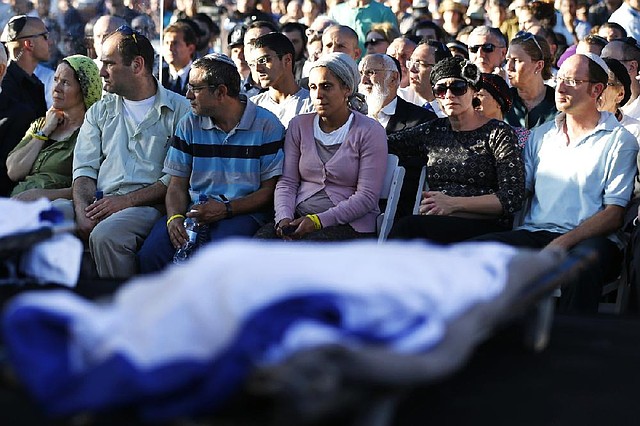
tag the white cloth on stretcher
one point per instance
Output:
(399, 295)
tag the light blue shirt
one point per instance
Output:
(572, 183)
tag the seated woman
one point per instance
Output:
(529, 63)
(617, 94)
(475, 168)
(334, 162)
(494, 100)
(41, 163)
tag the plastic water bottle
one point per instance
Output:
(197, 234)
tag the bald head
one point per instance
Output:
(105, 25)
(340, 38)
(401, 49)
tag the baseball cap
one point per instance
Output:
(236, 36)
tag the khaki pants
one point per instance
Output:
(114, 241)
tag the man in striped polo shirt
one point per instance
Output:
(227, 148)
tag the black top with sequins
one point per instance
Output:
(487, 160)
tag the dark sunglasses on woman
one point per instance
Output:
(458, 88)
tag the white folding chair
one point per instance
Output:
(422, 186)
(391, 193)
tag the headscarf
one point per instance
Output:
(622, 75)
(343, 66)
(498, 89)
(455, 67)
(88, 76)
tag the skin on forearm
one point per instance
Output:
(19, 162)
(437, 203)
(177, 198)
(256, 200)
(84, 191)
(37, 193)
(148, 196)
(600, 224)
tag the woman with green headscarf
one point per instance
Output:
(41, 163)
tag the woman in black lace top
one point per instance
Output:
(475, 170)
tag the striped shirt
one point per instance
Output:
(232, 164)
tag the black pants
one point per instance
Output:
(443, 229)
(582, 295)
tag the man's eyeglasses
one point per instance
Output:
(570, 82)
(371, 72)
(263, 60)
(44, 34)
(311, 32)
(196, 89)
(458, 88)
(418, 64)
(524, 36)
(486, 48)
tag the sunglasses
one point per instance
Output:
(525, 35)
(458, 88)
(486, 48)
(310, 33)
(373, 42)
(127, 31)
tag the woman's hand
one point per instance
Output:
(30, 195)
(52, 120)
(282, 224)
(303, 225)
(437, 203)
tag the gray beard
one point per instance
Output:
(375, 100)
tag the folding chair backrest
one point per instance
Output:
(391, 193)
(423, 185)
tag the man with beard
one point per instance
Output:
(580, 169)
(271, 57)
(380, 77)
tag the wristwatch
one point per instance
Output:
(227, 205)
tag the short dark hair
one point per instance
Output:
(217, 72)
(615, 26)
(187, 31)
(132, 44)
(263, 24)
(277, 42)
(290, 27)
(440, 34)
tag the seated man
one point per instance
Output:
(580, 168)
(227, 148)
(120, 149)
(272, 57)
(380, 77)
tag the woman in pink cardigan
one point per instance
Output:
(334, 164)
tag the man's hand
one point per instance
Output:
(102, 209)
(177, 232)
(84, 226)
(209, 212)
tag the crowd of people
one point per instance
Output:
(282, 114)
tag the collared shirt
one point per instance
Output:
(183, 73)
(572, 183)
(387, 112)
(520, 116)
(410, 95)
(123, 157)
(232, 164)
(26, 89)
(296, 104)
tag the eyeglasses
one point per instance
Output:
(570, 82)
(524, 36)
(373, 42)
(127, 31)
(44, 34)
(311, 32)
(418, 64)
(372, 72)
(196, 89)
(486, 48)
(458, 88)
(263, 60)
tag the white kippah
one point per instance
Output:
(598, 60)
(220, 58)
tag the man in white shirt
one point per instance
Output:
(423, 58)
(628, 16)
(178, 49)
(271, 58)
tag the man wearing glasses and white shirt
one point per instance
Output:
(419, 91)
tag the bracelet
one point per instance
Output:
(40, 136)
(175, 216)
(316, 221)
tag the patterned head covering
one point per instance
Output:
(455, 67)
(343, 66)
(498, 89)
(88, 76)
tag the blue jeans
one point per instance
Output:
(157, 250)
